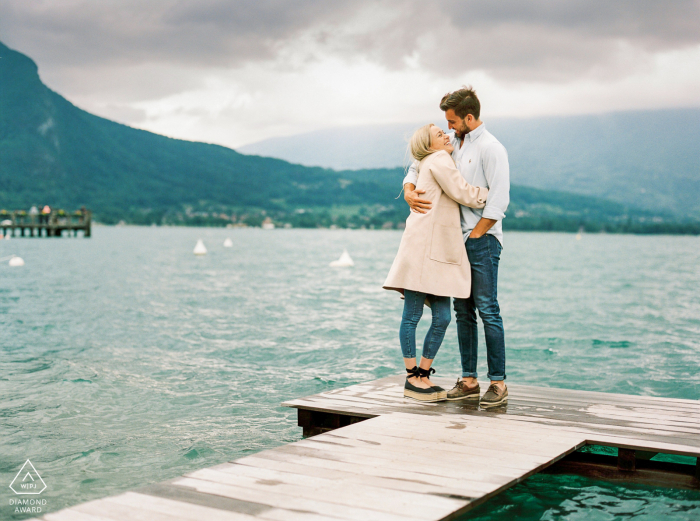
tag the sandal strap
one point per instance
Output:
(425, 373)
(415, 372)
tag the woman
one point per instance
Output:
(432, 265)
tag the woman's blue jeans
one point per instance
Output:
(412, 313)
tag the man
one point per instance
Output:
(483, 161)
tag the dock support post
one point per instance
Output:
(88, 223)
(697, 468)
(626, 460)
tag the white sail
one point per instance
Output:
(16, 261)
(200, 249)
(345, 261)
(228, 243)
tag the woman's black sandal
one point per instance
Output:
(417, 393)
(425, 373)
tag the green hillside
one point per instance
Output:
(52, 152)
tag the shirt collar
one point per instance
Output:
(474, 134)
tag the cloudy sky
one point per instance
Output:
(236, 72)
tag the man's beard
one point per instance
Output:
(460, 133)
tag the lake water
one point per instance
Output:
(126, 360)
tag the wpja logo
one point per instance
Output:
(28, 481)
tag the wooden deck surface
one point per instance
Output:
(408, 460)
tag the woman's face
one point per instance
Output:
(439, 140)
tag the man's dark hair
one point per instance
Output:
(462, 101)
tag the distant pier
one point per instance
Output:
(55, 223)
(372, 455)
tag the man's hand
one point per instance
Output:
(481, 228)
(417, 204)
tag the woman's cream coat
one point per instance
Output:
(432, 258)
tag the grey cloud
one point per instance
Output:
(534, 39)
(204, 33)
(512, 39)
(641, 20)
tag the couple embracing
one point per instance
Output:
(458, 190)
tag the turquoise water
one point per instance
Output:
(127, 360)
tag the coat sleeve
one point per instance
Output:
(453, 184)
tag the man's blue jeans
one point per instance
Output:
(484, 254)
(412, 312)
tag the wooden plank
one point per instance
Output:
(316, 506)
(194, 512)
(369, 457)
(383, 500)
(414, 482)
(522, 400)
(117, 512)
(553, 410)
(473, 478)
(176, 509)
(614, 430)
(598, 395)
(504, 463)
(396, 381)
(570, 426)
(170, 491)
(637, 444)
(466, 443)
(279, 514)
(419, 491)
(544, 396)
(518, 403)
(475, 443)
(70, 514)
(588, 427)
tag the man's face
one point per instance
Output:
(456, 123)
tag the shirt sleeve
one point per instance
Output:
(412, 174)
(497, 173)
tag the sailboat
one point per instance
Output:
(345, 261)
(199, 248)
(228, 243)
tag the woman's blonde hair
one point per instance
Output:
(419, 145)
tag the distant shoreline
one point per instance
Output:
(678, 229)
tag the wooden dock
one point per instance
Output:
(373, 455)
(53, 224)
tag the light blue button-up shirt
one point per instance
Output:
(483, 161)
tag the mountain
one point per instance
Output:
(52, 152)
(641, 158)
